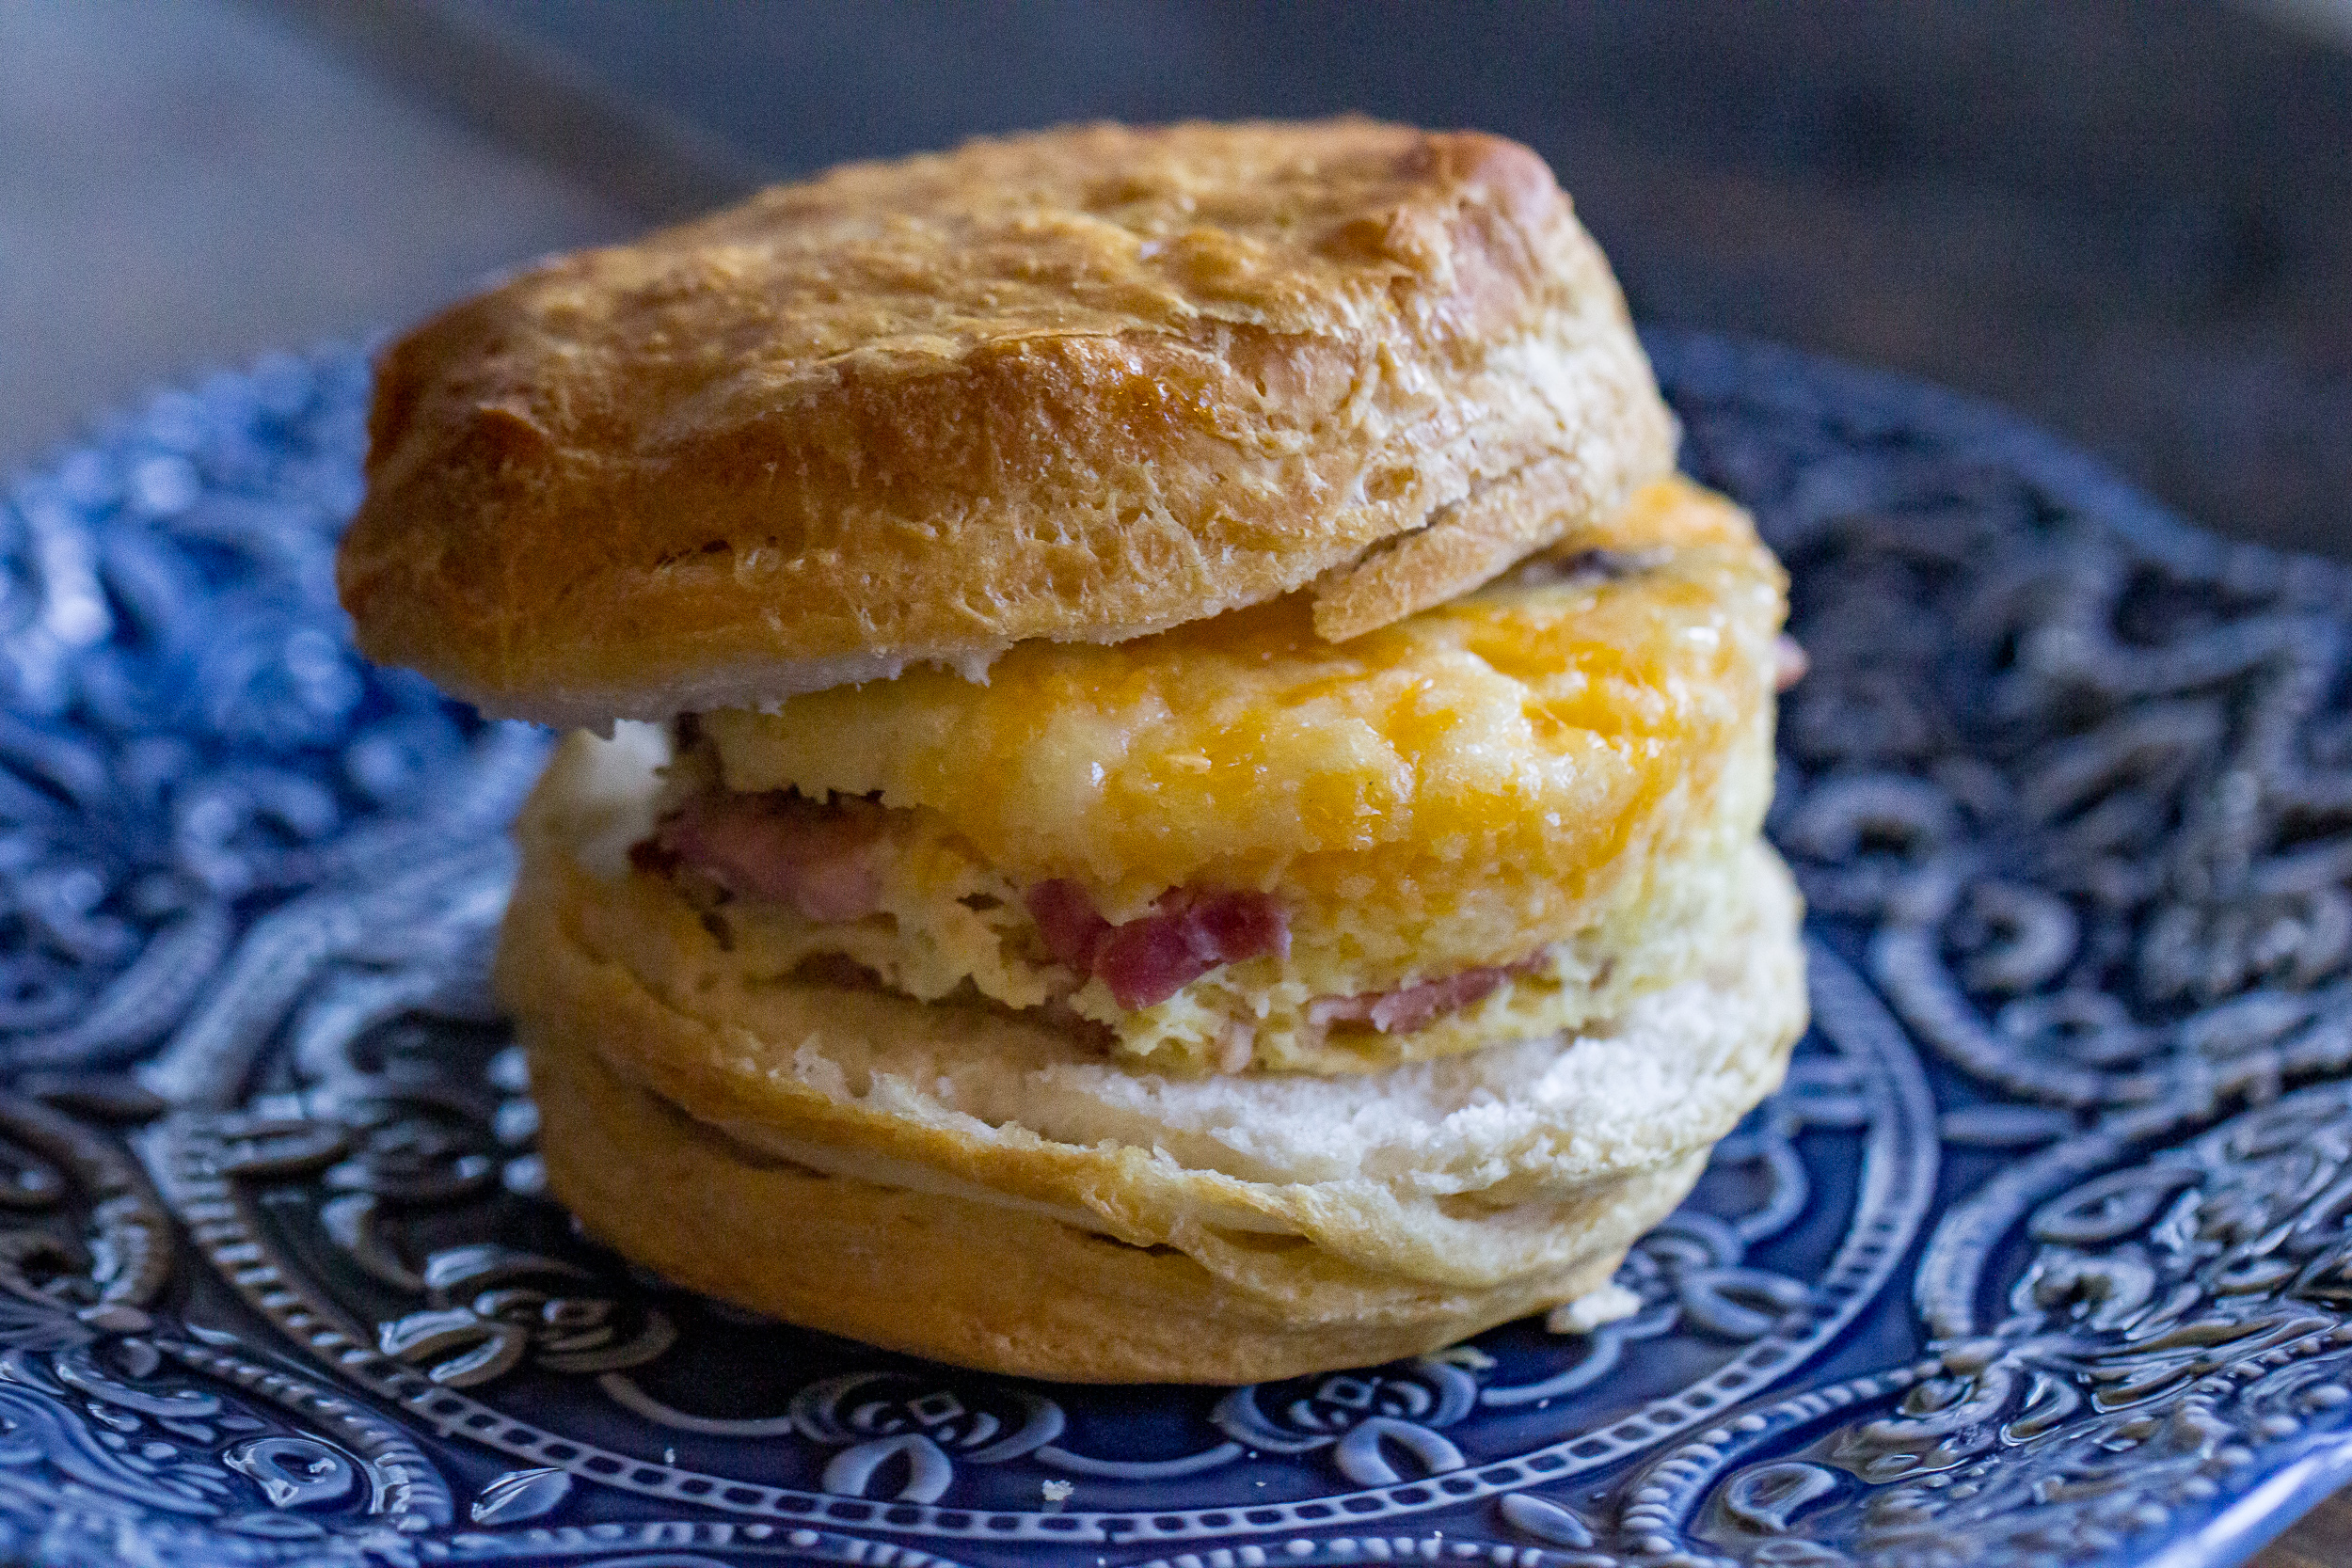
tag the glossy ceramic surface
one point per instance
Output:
(2042, 1255)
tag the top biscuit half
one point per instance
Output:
(1085, 386)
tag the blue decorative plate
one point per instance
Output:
(2042, 1255)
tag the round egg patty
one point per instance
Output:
(1503, 816)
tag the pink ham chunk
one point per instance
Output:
(821, 859)
(1067, 920)
(1147, 960)
(1412, 1007)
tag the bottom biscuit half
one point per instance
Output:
(982, 1189)
(993, 1286)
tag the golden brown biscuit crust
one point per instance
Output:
(980, 1285)
(982, 1189)
(1080, 385)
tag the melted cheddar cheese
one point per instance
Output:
(1229, 749)
(1573, 758)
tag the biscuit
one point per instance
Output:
(1180, 786)
(969, 1185)
(1083, 384)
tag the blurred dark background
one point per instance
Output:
(2131, 220)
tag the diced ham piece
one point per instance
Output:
(1148, 960)
(821, 859)
(1236, 925)
(1412, 1007)
(1151, 958)
(1066, 918)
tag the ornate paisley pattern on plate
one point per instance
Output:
(2069, 789)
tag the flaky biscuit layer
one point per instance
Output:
(978, 1284)
(1315, 1221)
(1087, 384)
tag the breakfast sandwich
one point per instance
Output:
(1167, 783)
